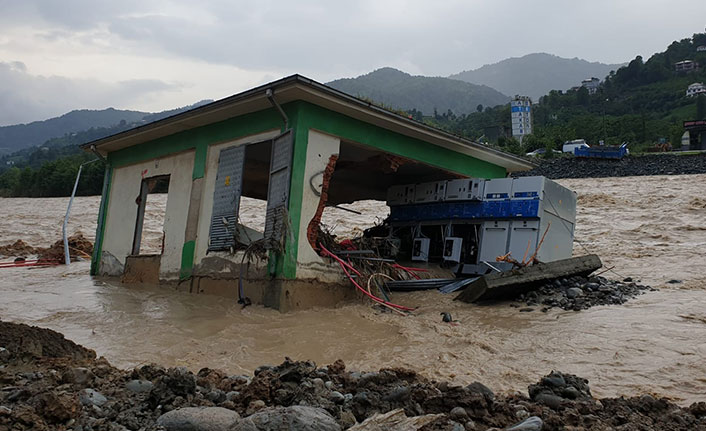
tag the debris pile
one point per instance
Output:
(42, 388)
(581, 293)
(17, 248)
(79, 247)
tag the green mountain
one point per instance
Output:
(66, 144)
(536, 74)
(17, 137)
(399, 90)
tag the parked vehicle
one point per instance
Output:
(570, 146)
(603, 152)
(540, 151)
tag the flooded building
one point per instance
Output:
(294, 143)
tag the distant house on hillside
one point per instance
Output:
(686, 66)
(701, 48)
(591, 84)
(695, 89)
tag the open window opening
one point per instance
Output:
(150, 227)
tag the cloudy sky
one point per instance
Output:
(59, 55)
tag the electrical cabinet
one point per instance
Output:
(494, 238)
(420, 249)
(400, 195)
(452, 249)
(497, 189)
(430, 192)
(467, 189)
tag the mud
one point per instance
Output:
(62, 389)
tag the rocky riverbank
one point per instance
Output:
(580, 293)
(48, 382)
(653, 164)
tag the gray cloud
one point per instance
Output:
(25, 97)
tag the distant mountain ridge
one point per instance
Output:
(535, 74)
(400, 90)
(23, 136)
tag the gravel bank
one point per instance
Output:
(654, 164)
(70, 390)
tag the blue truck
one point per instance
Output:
(603, 152)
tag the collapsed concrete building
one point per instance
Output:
(295, 143)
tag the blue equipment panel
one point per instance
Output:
(524, 208)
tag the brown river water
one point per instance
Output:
(649, 228)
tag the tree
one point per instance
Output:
(701, 107)
(479, 108)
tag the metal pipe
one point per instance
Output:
(95, 151)
(67, 257)
(270, 95)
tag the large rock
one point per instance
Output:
(295, 418)
(199, 419)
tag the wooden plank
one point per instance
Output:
(510, 284)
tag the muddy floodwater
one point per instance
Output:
(649, 228)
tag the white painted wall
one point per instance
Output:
(320, 147)
(122, 209)
(210, 185)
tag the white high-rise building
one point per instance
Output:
(521, 112)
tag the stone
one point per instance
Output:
(397, 394)
(216, 396)
(5, 411)
(139, 386)
(347, 419)
(459, 414)
(199, 419)
(254, 406)
(232, 395)
(480, 388)
(574, 292)
(532, 423)
(549, 400)
(91, 397)
(294, 418)
(4, 354)
(337, 397)
(78, 375)
(570, 392)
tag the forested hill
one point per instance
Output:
(400, 90)
(23, 136)
(536, 74)
(17, 137)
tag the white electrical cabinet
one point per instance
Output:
(452, 249)
(420, 249)
(430, 192)
(467, 189)
(494, 238)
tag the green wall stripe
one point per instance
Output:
(187, 259)
(200, 157)
(350, 129)
(199, 138)
(102, 215)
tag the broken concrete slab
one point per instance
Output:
(512, 283)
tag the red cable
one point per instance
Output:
(344, 266)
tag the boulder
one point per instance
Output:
(199, 419)
(295, 418)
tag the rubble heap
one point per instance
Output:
(47, 382)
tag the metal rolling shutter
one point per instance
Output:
(226, 198)
(278, 189)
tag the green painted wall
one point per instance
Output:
(102, 214)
